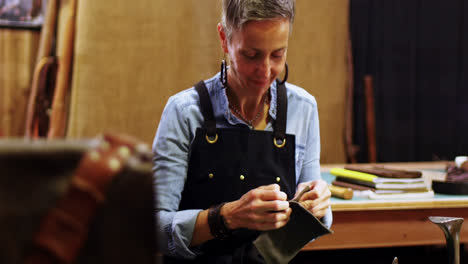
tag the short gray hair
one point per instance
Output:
(235, 13)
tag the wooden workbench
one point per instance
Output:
(364, 223)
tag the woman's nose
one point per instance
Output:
(264, 68)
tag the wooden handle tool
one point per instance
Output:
(341, 192)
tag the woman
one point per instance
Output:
(231, 152)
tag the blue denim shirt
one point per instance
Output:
(181, 117)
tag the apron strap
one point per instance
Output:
(281, 111)
(206, 108)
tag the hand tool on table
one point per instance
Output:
(451, 227)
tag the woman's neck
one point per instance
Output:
(250, 108)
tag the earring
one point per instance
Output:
(223, 76)
(285, 74)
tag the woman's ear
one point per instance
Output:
(222, 38)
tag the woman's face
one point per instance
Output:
(258, 55)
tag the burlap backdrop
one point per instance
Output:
(130, 56)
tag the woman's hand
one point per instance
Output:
(263, 208)
(317, 200)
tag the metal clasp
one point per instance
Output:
(211, 141)
(279, 143)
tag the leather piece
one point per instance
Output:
(456, 182)
(65, 228)
(36, 174)
(447, 187)
(384, 172)
(282, 245)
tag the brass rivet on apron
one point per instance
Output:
(279, 144)
(242, 177)
(114, 164)
(211, 175)
(278, 179)
(124, 152)
(94, 155)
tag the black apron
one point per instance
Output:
(224, 164)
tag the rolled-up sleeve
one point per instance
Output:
(170, 159)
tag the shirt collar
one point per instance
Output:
(221, 103)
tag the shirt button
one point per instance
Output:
(242, 177)
(278, 179)
(211, 175)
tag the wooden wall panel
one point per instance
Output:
(130, 58)
(18, 49)
(317, 62)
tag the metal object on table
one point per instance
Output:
(451, 227)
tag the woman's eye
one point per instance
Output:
(277, 54)
(250, 55)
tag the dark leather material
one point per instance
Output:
(206, 108)
(280, 246)
(279, 130)
(385, 172)
(456, 182)
(35, 175)
(447, 187)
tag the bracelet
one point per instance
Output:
(217, 224)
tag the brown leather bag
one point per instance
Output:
(76, 201)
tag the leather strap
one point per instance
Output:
(206, 108)
(64, 229)
(281, 111)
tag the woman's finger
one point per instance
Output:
(274, 206)
(273, 187)
(272, 220)
(272, 195)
